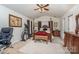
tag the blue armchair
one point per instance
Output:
(6, 35)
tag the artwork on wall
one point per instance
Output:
(15, 21)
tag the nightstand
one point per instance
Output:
(56, 33)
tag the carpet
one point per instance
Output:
(32, 47)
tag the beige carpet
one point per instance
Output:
(56, 47)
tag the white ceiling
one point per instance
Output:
(56, 10)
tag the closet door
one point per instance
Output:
(71, 24)
(28, 23)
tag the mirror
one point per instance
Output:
(77, 24)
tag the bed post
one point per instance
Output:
(51, 28)
(33, 30)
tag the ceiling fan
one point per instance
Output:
(42, 7)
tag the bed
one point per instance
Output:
(42, 35)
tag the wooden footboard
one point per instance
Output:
(46, 37)
(41, 37)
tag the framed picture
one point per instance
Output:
(15, 21)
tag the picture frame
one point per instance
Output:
(15, 21)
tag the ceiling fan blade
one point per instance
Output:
(46, 5)
(46, 9)
(38, 5)
(41, 5)
(37, 9)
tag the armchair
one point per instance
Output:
(5, 36)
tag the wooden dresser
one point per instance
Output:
(56, 33)
(71, 41)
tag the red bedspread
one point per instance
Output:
(42, 33)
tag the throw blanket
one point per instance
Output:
(42, 33)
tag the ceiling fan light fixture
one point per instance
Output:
(42, 8)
